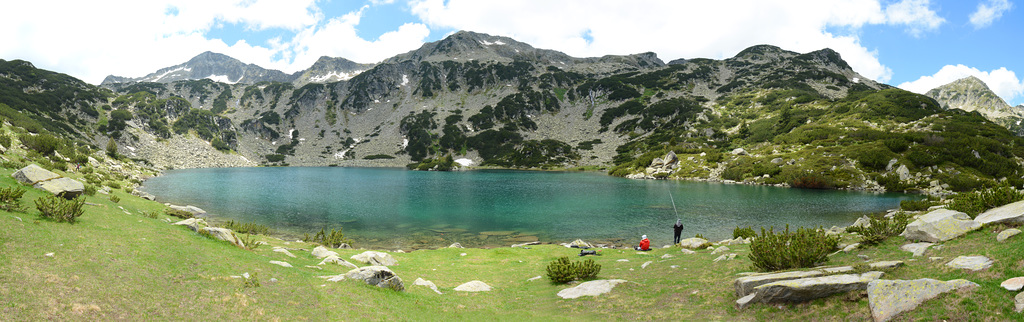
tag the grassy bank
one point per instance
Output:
(120, 264)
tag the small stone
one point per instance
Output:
(534, 278)
(687, 251)
(674, 266)
(473, 286)
(864, 257)
(1018, 302)
(645, 264)
(429, 284)
(851, 247)
(1013, 284)
(284, 251)
(973, 263)
(49, 254)
(720, 250)
(666, 256)
(935, 258)
(917, 248)
(273, 280)
(463, 254)
(622, 260)
(1006, 234)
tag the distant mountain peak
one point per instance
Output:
(972, 94)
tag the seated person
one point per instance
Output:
(645, 244)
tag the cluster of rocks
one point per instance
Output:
(50, 182)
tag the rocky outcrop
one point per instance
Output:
(1009, 214)
(887, 298)
(332, 259)
(806, 289)
(591, 288)
(973, 263)
(745, 285)
(375, 258)
(940, 225)
(33, 174)
(224, 234)
(473, 286)
(321, 252)
(379, 276)
(62, 187)
(195, 224)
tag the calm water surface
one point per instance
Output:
(397, 208)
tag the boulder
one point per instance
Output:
(917, 249)
(739, 151)
(645, 264)
(195, 211)
(143, 195)
(455, 245)
(192, 223)
(473, 286)
(724, 257)
(940, 225)
(1010, 213)
(806, 289)
(1018, 303)
(687, 251)
(903, 172)
(375, 258)
(579, 243)
(886, 265)
(1006, 234)
(887, 298)
(1013, 284)
(693, 243)
(280, 263)
(282, 251)
(224, 234)
(33, 174)
(745, 285)
(332, 259)
(63, 187)
(974, 263)
(863, 222)
(720, 250)
(321, 252)
(591, 288)
(379, 276)
(423, 282)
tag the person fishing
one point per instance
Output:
(677, 231)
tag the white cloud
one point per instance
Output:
(988, 12)
(1001, 81)
(915, 14)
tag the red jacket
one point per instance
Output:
(645, 244)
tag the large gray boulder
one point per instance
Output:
(195, 224)
(887, 298)
(591, 288)
(375, 258)
(940, 225)
(693, 243)
(62, 187)
(1009, 214)
(225, 234)
(33, 174)
(806, 289)
(745, 285)
(379, 276)
(321, 252)
(973, 263)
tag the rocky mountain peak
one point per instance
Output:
(972, 94)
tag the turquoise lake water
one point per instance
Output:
(396, 208)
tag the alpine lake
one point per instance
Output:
(400, 209)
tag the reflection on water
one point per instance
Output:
(396, 208)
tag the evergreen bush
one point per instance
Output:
(805, 247)
(178, 213)
(60, 209)
(247, 228)
(333, 239)
(743, 232)
(562, 270)
(974, 203)
(882, 228)
(10, 198)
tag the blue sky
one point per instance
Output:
(913, 44)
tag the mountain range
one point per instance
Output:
(766, 115)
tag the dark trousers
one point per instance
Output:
(676, 239)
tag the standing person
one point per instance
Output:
(645, 244)
(678, 230)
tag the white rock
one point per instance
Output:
(645, 264)
(331, 259)
(687, 251)
(940, 225)
(693, 243)
(1010, 213)
(375, 258)
(591, 288)
(473, 286)
(888, 298)
(321, 252)
(1006, 234)
(666, 256)
(534, 278)
(1018, 302)
(423, 282)
(720, 250)
(284, 251)
(917, 248)
(280, 263)
(1013, 284)
(974, 263)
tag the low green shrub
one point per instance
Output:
(90, 190)
(743, 232)
(10, 199)
(247, 228)
(149, 214)
(115, 199)
(249, 241)
(113, 184)
(812, 181)
(178, 213)
(974, 203)
(12, 164)
(252, 281)
(333, 239)
(378, 156)
(562, 270)
(60, 209)
(805, 247)
(882, 228)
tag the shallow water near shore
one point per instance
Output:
(401, 209)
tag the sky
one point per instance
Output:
(913, 44)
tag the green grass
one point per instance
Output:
(117, 265)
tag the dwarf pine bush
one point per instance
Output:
(804, 247)
(562, 270)
(882, 228)
(974, 203)
(10, 199)
(333, 239)
(743, 232)
(60, 209)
